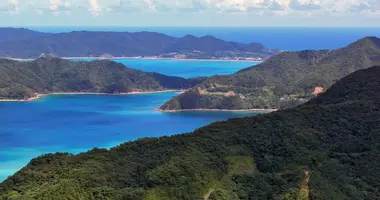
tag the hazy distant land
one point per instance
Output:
(33, 44)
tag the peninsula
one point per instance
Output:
(282, 81)
(46, 75)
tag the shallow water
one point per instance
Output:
(185, 68)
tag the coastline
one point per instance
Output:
(217, 110)
(38, 96)
(144, 58)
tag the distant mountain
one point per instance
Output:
(210, 44)
(119, 44)
(19, 34)
(85, 43)
(282, 81)
(328, 148)
(22, 80)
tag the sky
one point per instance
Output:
(317, 13)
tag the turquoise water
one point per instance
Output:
(77, 123)
(185, 68)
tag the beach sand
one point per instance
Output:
(38, 96)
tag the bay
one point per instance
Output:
(77, 123)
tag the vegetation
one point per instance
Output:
(95, 44)
(282, 81)
(327, 148)
(22, 80)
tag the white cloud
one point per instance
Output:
(263, 7)
(94, 7)
(246, 5)
(13, 7)
(122, 7)
(39, 11)
(290, 6)
(56, 7)
(67, 4)
(54, 4)
(150, 3)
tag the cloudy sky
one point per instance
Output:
(190, 13)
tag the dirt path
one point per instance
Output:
(208, 194)
(307, 173)
(304, 193)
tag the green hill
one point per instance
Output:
(327, 148)
(22, 80)
(282, 81)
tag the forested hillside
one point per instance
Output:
(22, 80)
(282, 81)
(328, 148)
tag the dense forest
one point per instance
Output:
(95, 44)
(328, 148)
(22, 80)
(282, 81)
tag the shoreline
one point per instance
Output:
(24, 100)
(38, 96)
(138, 58)
(217, 110)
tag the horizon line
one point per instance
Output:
(116, 26)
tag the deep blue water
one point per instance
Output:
(77, 123)
(285, 38)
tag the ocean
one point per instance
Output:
(77, 123)
(284, 38)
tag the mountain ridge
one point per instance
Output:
(130, 44)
